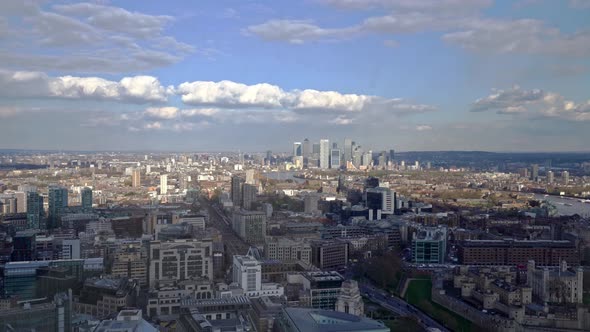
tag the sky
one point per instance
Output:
(183, 75)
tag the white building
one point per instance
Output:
(163, 184)
(324, 153)
(247, 273)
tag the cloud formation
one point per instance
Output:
(85, 37)
(536, 103)
(459, 22)
(136, 89)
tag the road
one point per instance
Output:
(398, 306)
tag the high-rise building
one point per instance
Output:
(315, 148)
(297, 150)
(534, 172)
(136, 178)
(237, 184)
(380, 201)
(163, 184)
(250, 225)
(250, 176)
(367, 159)
(34, 210)
(335, 159)
(248, 195)
(58, 199)
(306, 148)
(21, 201)
(565, 176)
(391, 155)
(86, 194)
(550, 176)
(347, 150)
(324, 154)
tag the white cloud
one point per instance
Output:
(412, 5)
(141, 89)
(536, 103)
(228, 94)
(423, 128)
(167, 112)
(297, 31)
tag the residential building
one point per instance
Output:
(136, 178)
(324, 154)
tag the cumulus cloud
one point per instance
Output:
(228, 94)
(139, 89)
(536, 102)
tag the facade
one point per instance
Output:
(131, 264)
(511, 252)
(86, 198)
(250, 225)
(163, 184)
(429, 245)
(335, 159)
(180, 260)
(324, 154)
(136, 178)
(53, 316)
(380, 201)
(249, 192)
(58, 200)
(164, 299)
(319, 289)
(103, 297)
(297, 149)
(247, 273)
(328, 254)
(556, 285)
(237, 183)
(350, 301)
(286, 249)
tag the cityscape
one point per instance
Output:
(326, 165)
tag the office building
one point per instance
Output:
(513, 252)
(550, 177)
(21, 201)
(104, 297)
(347, 154)
(24, 246)
(286, 249)
(237, 183)
(534, 172)
(180, 260)
(58, 200)
(34, 210)
(335, 159)
(163, 184)
(380, 201)
(130, 263)
(319, 289)
(126, 321)
(49, 316)
(324, 153)
(250, 225)
(328, 254)
(297, 149)
(86, 198)
(314, 320)
(429, 245)
(136, 178)
(306, 149)
(249, 192)
(247, 273)
(565, 177)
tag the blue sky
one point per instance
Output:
(257, 75)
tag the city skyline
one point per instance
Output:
(255, 76)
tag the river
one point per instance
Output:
(574, 206)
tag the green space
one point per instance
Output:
(418, 294)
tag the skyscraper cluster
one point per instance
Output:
(330, 155)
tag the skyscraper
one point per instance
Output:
(335, 159)
(324, 153)
(297, 151)
(58, 199)
(565, 176)
(237, 183)
(550, 177)
(34, 210)
(163, 184)
(347, 150)
(248, 195)
(136, 178)
(86, 194)
(306, 148)
(534, 172)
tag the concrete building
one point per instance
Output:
(237, 183)
(247, 273)
(180, 260)
(103, 297)
(165, 297)
(380, 201)
(163, 184)
(329, 254)
(429, 245)
(136, 178)
(86, 198)
(310, 202)
(250, 225)
(249, 192)
(318, 289)
(130, 263)
(324, 153)
(286, 249)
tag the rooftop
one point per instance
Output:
(311, 320)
